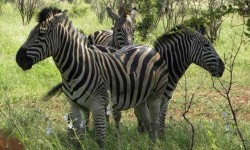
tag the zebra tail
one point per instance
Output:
(56, 90)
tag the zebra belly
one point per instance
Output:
(129, 99)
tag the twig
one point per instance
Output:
(188, 107)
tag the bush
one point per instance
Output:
(78, 10)
(26, 8)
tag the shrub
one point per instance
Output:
(26, 8)
(78, 10)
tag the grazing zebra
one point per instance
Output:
(121, 34)
(135, 76)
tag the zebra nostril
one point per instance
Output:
(22, 60)
(130, 42)
(221, 68)
(20, 56)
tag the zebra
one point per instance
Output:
(134, 77)
(121, 34)
(182, 46)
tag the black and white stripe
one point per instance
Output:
(135, 76)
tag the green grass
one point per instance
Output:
(25, 116)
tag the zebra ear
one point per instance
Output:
(58, 18)
(112, 14)
(133, 13)
(122, 12)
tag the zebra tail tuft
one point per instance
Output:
(55, 91)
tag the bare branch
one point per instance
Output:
(227, 88)
(188, 104)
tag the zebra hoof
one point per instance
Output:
(161, 134)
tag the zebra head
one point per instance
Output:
(123, 30)
(204, 54)
(39, 44)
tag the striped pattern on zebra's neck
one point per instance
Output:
(73, 46)
(175, 50)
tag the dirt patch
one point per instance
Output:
(210, 105)
(9, 143)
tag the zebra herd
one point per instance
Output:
(132, 76)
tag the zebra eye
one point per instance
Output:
(42, 31)
(119, 29)
(206, 45)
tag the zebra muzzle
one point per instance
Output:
(22, 60)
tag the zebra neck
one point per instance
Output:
(178, 61)
(70, 55)
(113, 43)
(177, 67)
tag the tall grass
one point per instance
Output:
(40, 125)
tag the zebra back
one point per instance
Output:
(102, 37)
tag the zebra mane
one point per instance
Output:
(186, 28)
(197, 27)
(174, 31)
(76, 32)
(47, 13)
(198, 24)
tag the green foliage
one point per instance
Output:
(78, 10)
(23, 115)
(148, 11)
(145, 26)
(214, 14)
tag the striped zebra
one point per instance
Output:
(181, 47)
(121, 34)
(135, 76)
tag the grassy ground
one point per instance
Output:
(40, 125)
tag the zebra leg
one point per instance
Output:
(141, 111)
(154, 116)
(76, 129)
(117, 117)
(140, 126)
(164, 106)
(99, 123)
(87, 118)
